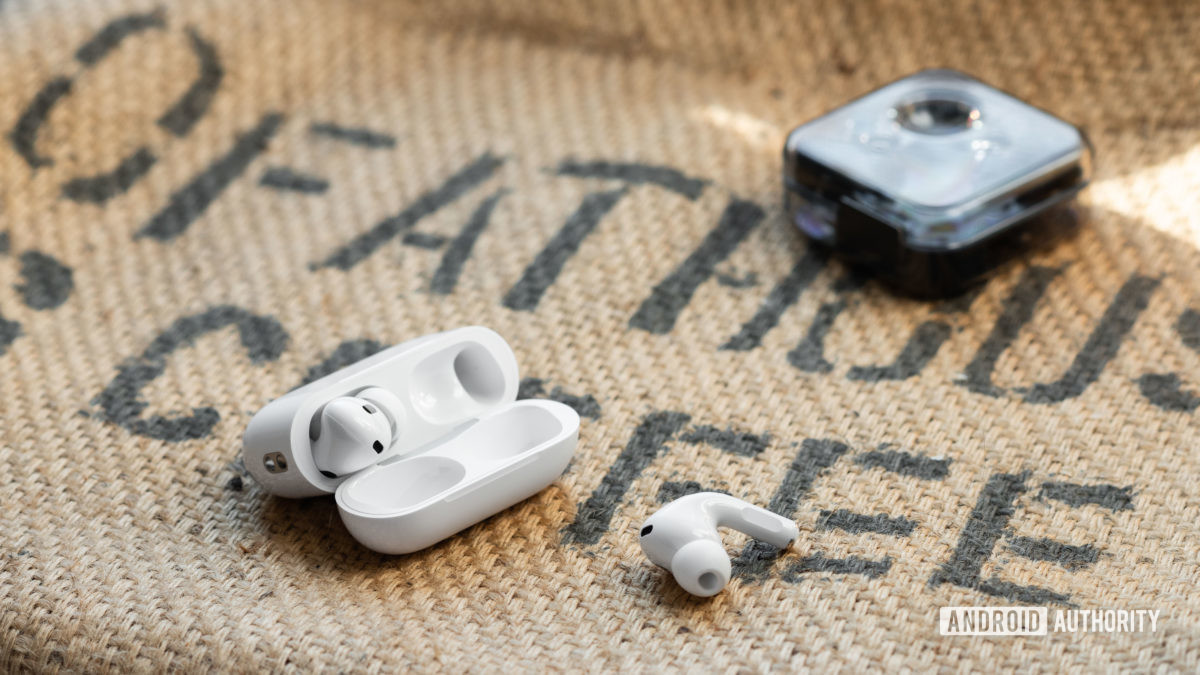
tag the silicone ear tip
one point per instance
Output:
(701, 568)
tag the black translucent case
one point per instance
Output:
(931, 180)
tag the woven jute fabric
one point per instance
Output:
(205, 204)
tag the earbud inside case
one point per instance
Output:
(463, 449)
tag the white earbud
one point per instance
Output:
(682, 537)
(351, 432)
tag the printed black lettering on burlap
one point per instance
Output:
(206, 205)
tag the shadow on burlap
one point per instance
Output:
(204, 204)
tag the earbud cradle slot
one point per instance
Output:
(506, 457)
(460, 381)
(486, 451)
(403, 485)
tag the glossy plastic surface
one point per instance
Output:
(408, 503)
(682, 537)
(462, 447)
(920, 177)
(440, 382)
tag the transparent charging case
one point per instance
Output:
(932, 180)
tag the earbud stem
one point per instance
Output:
(755, 521)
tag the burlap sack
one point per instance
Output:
(207, 203)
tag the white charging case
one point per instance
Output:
(465, 448)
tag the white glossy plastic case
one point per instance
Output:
(407, 503)
(463, 449)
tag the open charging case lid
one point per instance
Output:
(464, 447)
